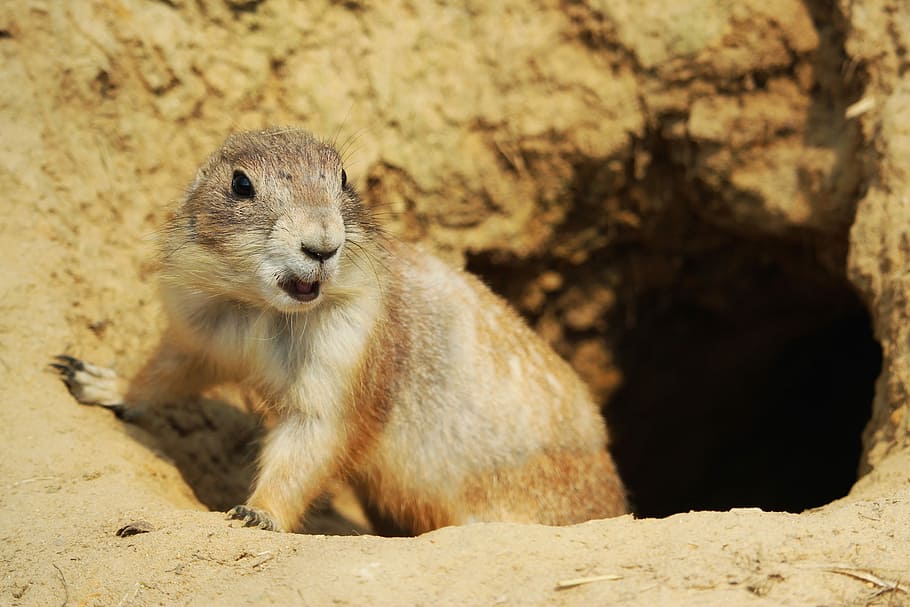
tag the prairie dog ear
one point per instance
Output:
(205, 170)
(201, 174)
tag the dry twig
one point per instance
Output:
(66, 588)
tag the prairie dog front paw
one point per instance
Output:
(90, 384)
(253, 517)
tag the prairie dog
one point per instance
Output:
(383, 367)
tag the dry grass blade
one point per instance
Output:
(129, 596)
(868, 576)
(580, 581)
(860, 107)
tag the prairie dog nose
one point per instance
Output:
(318, 253)
(319, 236)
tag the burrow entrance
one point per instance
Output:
(763, 406)
(734, 361)
(736, 367)
(733, 372)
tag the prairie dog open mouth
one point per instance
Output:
(300, 289)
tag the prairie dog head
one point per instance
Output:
(269, 220)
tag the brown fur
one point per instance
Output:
(409, 379)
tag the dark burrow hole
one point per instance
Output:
(745, 381)
(733, 371)
(763, 404)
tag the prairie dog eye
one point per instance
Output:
(344, 178)
(241, 186)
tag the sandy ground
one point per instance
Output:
(104, 117)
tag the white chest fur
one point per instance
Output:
(300, 362)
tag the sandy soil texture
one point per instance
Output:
(702, 205)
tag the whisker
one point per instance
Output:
(358, 251)
(334, 140)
